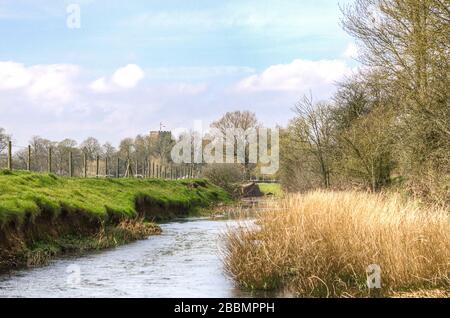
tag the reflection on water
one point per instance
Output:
(182, 262)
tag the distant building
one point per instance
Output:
(160, 135)
(161, 142)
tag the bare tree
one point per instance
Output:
(109, 150)
(313, 128)
(39, 149)
(126, 147)
(91, 147)
(409, 43)
(61, 156)
(161, 146)
(240, 122)
(4, 138)
(237, 119)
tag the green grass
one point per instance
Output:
(24, 193)
(271, 188)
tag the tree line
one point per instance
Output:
(67, 155)
(389, 124)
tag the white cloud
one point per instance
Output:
(351, 52)
(125, 77)
(40, 82)
(69, 110)
(128, 76)
(299, 75)
(13, 75)
(100, 85)
(53, 82)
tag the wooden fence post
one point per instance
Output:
(85, 165)
(137, 167)
(148, 168)
(153, 169)
(106, 167)
(144, 168)
(70, 165)
(118, 168)
(49, 160)
(29, 158)
(97, 165)
(9, 155)
(144, 173)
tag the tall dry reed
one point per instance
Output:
(320, 245)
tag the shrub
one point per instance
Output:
(227, 176)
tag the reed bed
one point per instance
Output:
(320, 244)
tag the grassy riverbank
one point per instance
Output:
(321, 244)
(273, 189)
(43, 215)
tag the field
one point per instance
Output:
(23, 193)
(271, 188)
(321, 244)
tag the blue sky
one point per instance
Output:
(133, 64)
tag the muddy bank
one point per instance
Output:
(35, 241)
(39, 238)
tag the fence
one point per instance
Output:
(80, 165)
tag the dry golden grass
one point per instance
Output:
(320, 245)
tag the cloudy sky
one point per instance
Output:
(133, 64)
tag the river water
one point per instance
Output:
(183, 262)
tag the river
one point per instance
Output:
(182, 262)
